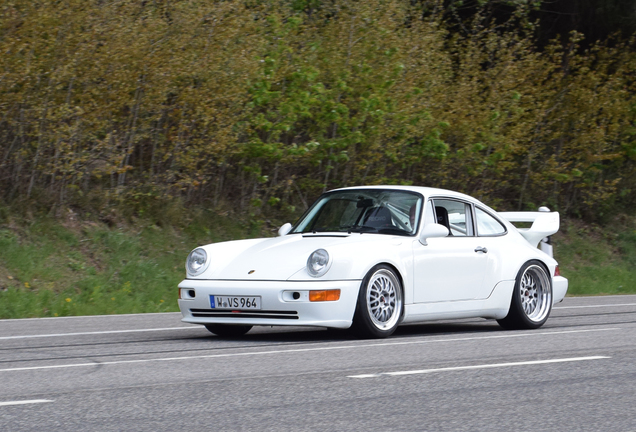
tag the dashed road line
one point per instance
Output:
(24, 402)
(98, 332)
(304, 350)
(484, 366)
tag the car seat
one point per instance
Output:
(442, 217)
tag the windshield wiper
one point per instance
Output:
(394, 231)
(360, 228)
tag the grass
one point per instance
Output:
(598, 260)
(50, 267)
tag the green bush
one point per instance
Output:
(263, 105)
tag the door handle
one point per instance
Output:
(481, 249)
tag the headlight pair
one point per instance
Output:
(318, 262)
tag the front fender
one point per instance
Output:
(353, 262)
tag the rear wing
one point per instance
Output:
(543, 224)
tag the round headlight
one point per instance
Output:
(197, 262)
(318, 263)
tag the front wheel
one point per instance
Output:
(380, 303)
(531, 301)
(228, 330)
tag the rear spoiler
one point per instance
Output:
(543, 224)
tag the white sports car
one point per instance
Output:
(374, 257)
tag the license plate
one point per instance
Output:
(235, 302)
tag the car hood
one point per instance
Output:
(285, 258)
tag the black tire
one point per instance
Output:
(380, 303)
(228, 330)
(531, 301)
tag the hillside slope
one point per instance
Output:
(74, 267)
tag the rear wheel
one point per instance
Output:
(380, 303)
(531, 301)
(228, 330)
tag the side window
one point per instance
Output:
(454, 215)
(488, 225)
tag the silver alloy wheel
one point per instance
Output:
(384, 299)
(535, 292)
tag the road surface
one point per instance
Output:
(153, 373)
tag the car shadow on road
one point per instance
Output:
(281, 334)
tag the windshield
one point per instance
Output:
(363, 210)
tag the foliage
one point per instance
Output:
(266, 103)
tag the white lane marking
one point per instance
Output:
(98, 332)
(595, 306)
(92, 316)
(484, 366)
(25, 402)
(302, 350)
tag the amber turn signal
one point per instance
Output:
(326, 295)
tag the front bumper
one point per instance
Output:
(278, 307)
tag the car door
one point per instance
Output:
(451, 268)
(493, 238)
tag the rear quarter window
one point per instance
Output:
(487, 225)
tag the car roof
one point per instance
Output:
(426, 191)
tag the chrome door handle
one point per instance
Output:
(481, 249)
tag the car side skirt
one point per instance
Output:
(496, 306)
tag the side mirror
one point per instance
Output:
(285, 229)
(433, 230)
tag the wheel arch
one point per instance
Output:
(513, 263)
(542, 263)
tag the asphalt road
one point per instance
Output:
(153, 373)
